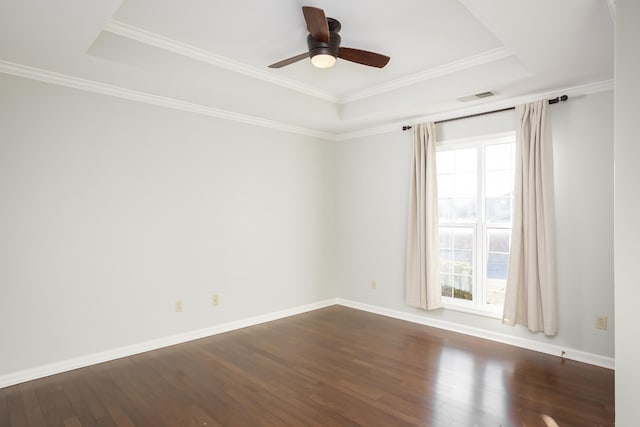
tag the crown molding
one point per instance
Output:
(153, 39)
(25, 71)
(147, 98)
(586, 89)
(443, 70)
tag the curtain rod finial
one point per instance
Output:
(558, 99)
(406, 127)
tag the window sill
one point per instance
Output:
(497, 314)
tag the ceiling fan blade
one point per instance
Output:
(290, 60)
(363, 57)
(316, 23)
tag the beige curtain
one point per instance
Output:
(423, 247)
(531, 293)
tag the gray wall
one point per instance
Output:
(627, 207)
(373, 173)
(112, 210)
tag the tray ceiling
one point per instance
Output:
(215, 54)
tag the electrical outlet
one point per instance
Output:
(374, 284)
(215, 299)
(601, 323)
(179, 306)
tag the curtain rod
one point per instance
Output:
(551, 101)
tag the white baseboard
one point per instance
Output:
(555, 350)
(130, 350)
(117, 353)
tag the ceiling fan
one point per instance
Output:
(324, 44)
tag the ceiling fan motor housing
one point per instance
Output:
(316, 47)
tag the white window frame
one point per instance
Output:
(479, 228)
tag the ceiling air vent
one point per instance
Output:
(476, 96)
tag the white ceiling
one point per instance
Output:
(212, 56)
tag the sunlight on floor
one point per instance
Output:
(548, 421)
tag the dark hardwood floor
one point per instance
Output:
(331, 367)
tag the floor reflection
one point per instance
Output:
(469, 391)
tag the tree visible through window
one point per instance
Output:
(475, 199)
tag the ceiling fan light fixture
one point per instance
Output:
(323, 60)
(323, 42)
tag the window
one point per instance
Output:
(475, 202)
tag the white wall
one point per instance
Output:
(373, 176)
(627, 207)
(112, 210)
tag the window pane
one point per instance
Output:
(464, 210)
(497, 264)
(495, 291)
(446, 265)
(462, 287)
(466, 185)
(446, 185)
(463, 265)
(499, 239)
(466, 160)
(498, 210)
(446, 238)
(446, 254)
(499, 183)
(446, 161)
(499, 156)
(462, 238)
(465, 256)
(445, 210)
(463, 251)
(445, 283)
